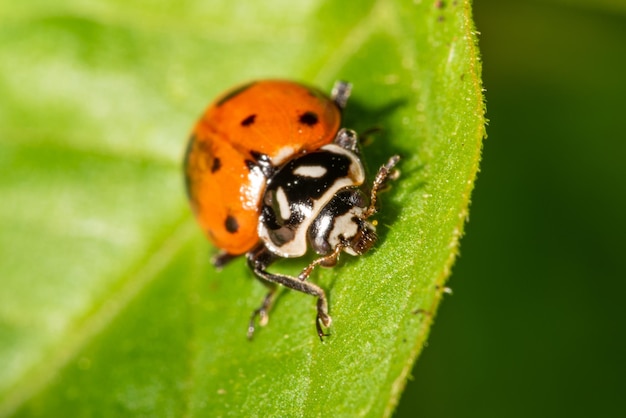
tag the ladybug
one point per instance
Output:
(270, 173)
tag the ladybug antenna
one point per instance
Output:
(385, 173)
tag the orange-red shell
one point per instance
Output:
(276, 118)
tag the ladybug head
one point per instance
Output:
(363, 240)
(341, 222)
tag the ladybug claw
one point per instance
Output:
(263, 320)
(250, 333)
(262, 313)
(326, 321)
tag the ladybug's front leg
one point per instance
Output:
(258, 260)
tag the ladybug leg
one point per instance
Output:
(385, 173)
(347, 139)
(258, 261)
(222, 258)
(340, 93)
(263, 162)
(262, 311)
(366, 137)
(326, 261)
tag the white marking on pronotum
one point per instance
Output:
(298, 245)
(314, 171)
(283, 203)
(344, 225)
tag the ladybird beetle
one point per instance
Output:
(270, 173)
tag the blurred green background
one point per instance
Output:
(535, 327)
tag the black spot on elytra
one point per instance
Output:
(231, 224)
(217, 164)
(248, 121)
(309, 118)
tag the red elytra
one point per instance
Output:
(274, 118)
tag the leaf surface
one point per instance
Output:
(109, 301)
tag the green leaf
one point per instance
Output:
(109, 303)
